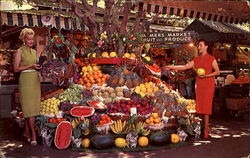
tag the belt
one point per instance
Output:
(29, 70)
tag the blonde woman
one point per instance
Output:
(29, 82)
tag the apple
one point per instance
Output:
(200, 72)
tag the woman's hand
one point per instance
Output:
(36, 66)
(202, 76)
(170, 67)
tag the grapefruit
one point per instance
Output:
(200, 72)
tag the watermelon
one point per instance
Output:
(63, 135)
(160, 138)
(102, 141)
(97, 105)
(82, 111)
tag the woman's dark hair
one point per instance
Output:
(205, 42)
(209, 44)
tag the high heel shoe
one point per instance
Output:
(26, 139)
(206, 133)
(33, 143)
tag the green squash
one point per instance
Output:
(160, 138)
(102, 141)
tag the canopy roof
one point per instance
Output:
(218, 31)
(32, 18)
(223, 11)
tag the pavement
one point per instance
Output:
(229, 138)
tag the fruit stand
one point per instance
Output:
(111, 102)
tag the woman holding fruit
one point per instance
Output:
(29, 83)
(204, 63)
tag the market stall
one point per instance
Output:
(112, 102)
(112, 96)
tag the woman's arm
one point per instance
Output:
(216, 70)
(189, 65)
(17, 61)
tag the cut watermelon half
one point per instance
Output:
(82, 111)
(97, 105)
(63, 135)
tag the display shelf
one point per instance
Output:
(111, 60)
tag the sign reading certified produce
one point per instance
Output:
(168, 37)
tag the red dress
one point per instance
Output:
(204, 86)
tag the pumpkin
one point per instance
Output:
(120, 142)
(86, 142)
(175, 138)
(143, 141)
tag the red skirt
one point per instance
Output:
(204, 95)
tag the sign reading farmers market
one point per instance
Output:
(168, 37)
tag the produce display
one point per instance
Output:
(104, 106)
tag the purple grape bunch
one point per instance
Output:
(53, 69)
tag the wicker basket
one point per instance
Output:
(238, 104)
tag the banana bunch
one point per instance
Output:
(139, 128)
(120, 127)
(75, 122)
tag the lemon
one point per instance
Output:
(132, 55)
(143, 89)
(95, 67)
(142, 85)
(137, 91)
(147, 85)
(149, 90)
(143, 141)
(156, 89)
(85, 142)
(147, 58)
(84, 69)
(155, 115)
(142, 94)
(120, 142)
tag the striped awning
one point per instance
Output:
(222, 11)
(33, 18)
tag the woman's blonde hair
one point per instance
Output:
(24, 32)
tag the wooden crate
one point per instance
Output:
(238, 104)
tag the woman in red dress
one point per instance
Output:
(204, 83)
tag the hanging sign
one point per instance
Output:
(168, 37)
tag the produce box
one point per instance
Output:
(54, 93)
(238, 104)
